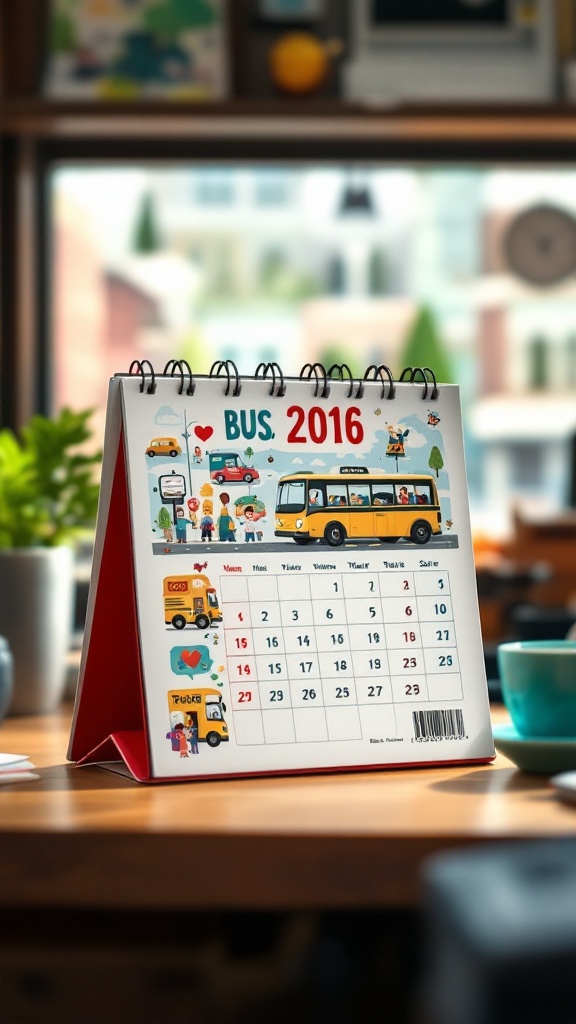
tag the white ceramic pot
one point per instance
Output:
(36, 605)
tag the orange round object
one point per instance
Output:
(298, 62)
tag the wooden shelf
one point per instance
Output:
(315, 120)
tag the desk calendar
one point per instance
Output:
(283, 577)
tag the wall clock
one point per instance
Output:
(540, 245)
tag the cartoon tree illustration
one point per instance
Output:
(164, 523)
(146, 235)
(248, 452)
(436, 462)
(425, 347)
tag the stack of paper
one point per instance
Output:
(16, 768)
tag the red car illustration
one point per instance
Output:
(228, 468)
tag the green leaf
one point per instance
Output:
(48, 488)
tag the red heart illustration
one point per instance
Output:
(203, 432)
(191, 658)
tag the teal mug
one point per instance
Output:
(538, 680)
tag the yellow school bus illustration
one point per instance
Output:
(190, 599)
(201, 710)
(357, 504)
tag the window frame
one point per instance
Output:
(29, 153)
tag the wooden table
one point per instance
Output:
(114, 896)
(84, 836)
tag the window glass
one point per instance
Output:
(337, 494)
(267, 263)
(271, 188)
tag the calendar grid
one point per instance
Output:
(332, 656)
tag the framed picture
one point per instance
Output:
(133, 49)
(291, 10)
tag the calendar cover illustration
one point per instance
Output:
(301, 565)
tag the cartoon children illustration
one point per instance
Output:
(197, 456)
(182, 739)
(226, 530)
(206, 527)
(177, 737)
(192, 736)
(396, 441)
(403, 497)
(173, 737)
(193, 506)
(181, 524)
(249, 525)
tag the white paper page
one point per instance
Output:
(12, 761)
(358, 645)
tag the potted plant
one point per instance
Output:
(48, 502)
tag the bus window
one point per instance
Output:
(315, 498)
(214, 711)
(360, 494)
(422, 494)
(291, 497)
(404, 495)
(382, 497)
(337, 494)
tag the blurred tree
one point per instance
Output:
(571, 361)
(539, 369)
(337, 353)
(195, 350)
(336, 275)
(279, 280)
(146, 235)
(425, 347)
(377, 273)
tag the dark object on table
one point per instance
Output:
(534, 622)
(500, 940)
(526, 622)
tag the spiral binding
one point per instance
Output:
(341, 368)
(316, 373)
(231, 371)
(422, 370)
(184, 367)
(321, 376)
(139, 366)
(380, 371)
(277, 388)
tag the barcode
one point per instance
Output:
(438, 724)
